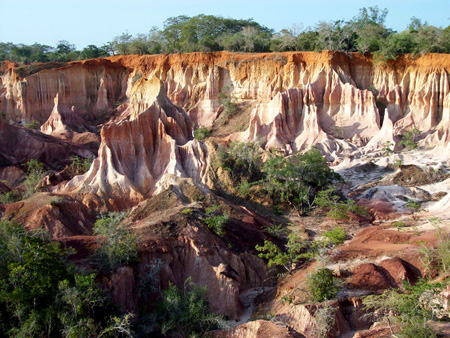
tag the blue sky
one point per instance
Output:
(84, 22)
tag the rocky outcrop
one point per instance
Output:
(304, 319)
(385, 137)
(144, 153)
(120, 284)
(54, 214)
(67, 124)
(202, 257)
(19, 145)
(369, 276)
(91, 87)
(345, 91)
(290, 122)
(327, 99)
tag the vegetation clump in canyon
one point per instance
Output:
(43, 294)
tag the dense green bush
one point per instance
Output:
(277, 230)
(43, 295)
(230, 107)
(335, 237)
(325, 318)
(10, 197)
(201, 133)
(32, 125)
(116, 244)
(412, 206)
(186, 311)
(295, 180)
(410, 308)
(242, 160)
(409, 138)
(437, 258)
(79, 165)
(322, 285)
(337, 209)
(35, 175)
(216, 219)
(33, 180)
(417, 330)
(296, 249)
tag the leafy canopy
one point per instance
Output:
(186, 311)
(296, 179)
(117, 244)
(42, 294)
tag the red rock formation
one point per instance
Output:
(302, 319)
(19, 145)
(368, 276)
(68, 124)
(300, 99)
(121, 285)
(400, 271)
(58, 216)
(327, 99)
(91, 88)
(202, 257)
(144, 153)
(413, 89)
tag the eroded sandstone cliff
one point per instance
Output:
(336, 101)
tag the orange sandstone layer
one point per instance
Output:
(343, 103)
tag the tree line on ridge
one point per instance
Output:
(364, 33)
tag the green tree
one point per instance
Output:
(285, 40)
(335, 35)
(186, 311)
(92, 52)
(446, 39)
(296, 250)
(82, 305)
(64, 51)
(43, 295)
(6, 51)
(370, 29)
(410, 308)
(242, 160)
(322, 285)
(35, 175)
(79, 165)
(173, 28)
(117, 244)
(409, 138)
(139, 45)
(30, 272)
(201, 133)
(121, 44)
(296, 179)
(308, 40)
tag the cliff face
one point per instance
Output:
(335, 101)
(144, 153)
(340, 86)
